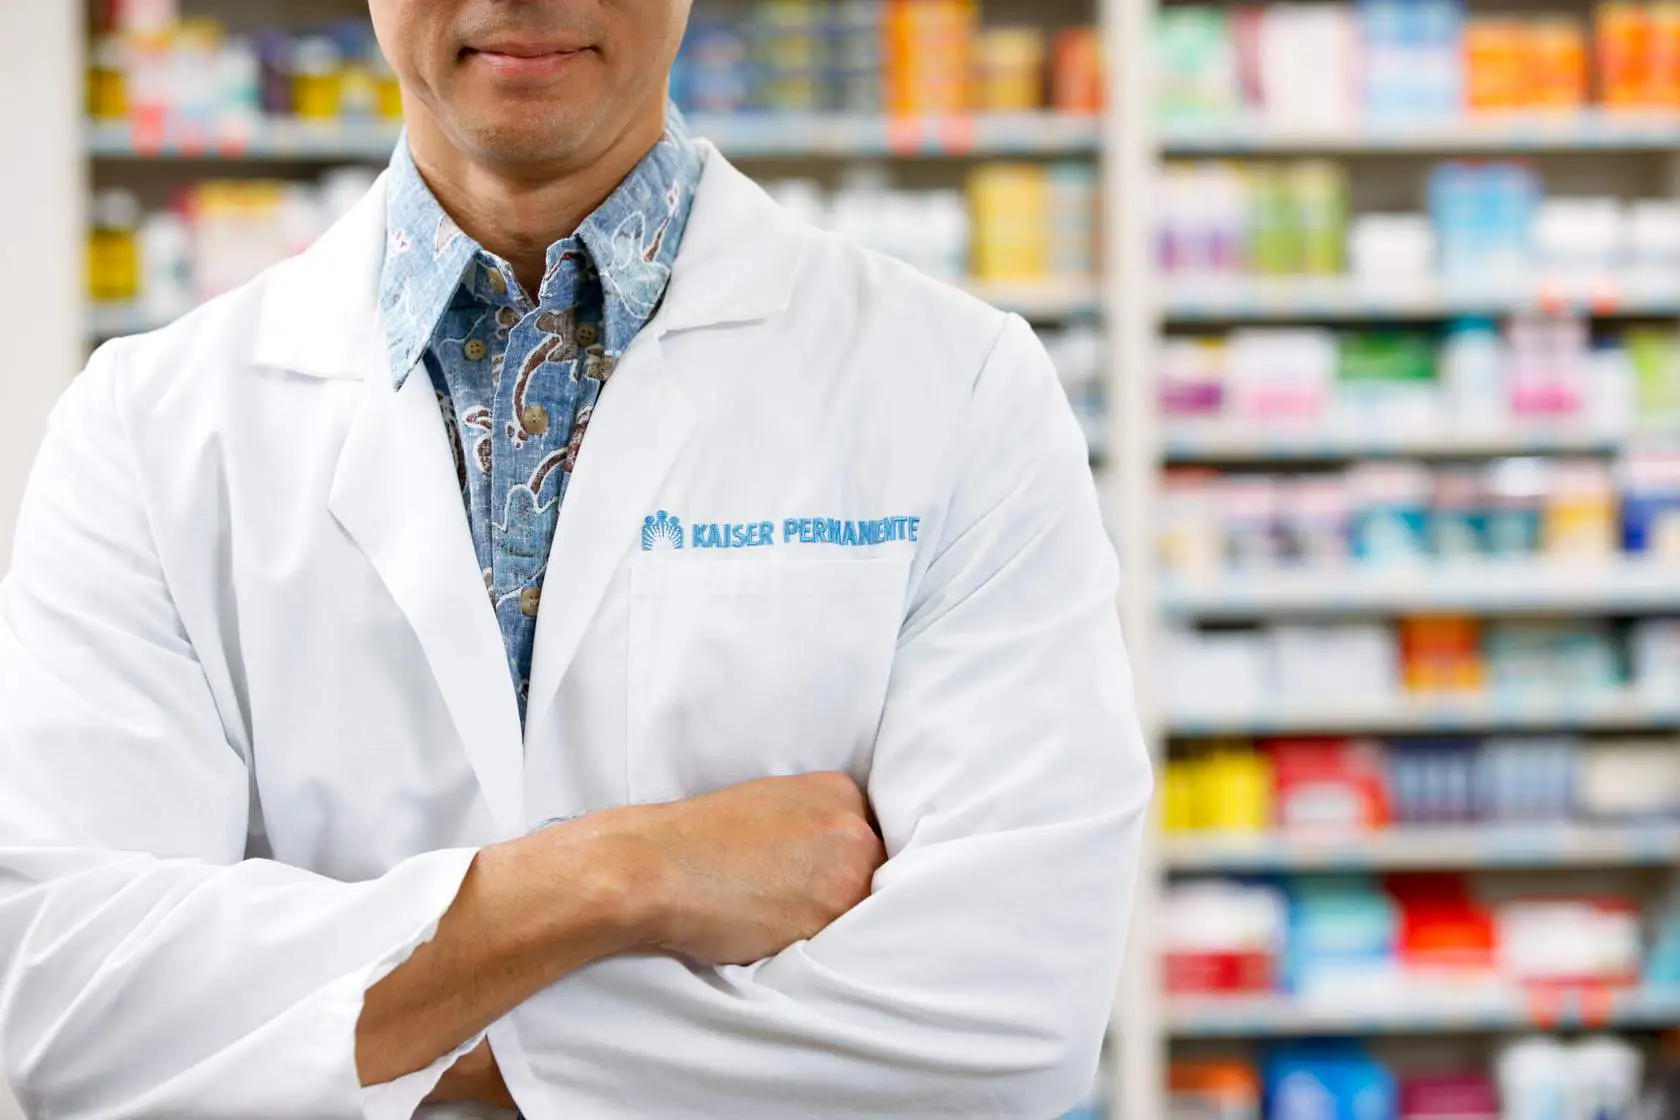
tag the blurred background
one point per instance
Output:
(1370, 313)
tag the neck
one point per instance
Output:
(517, 212)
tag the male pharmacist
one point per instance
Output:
(574, 640)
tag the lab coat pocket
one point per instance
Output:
(743, 669)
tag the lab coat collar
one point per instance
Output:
(735, 265)
(738, 255)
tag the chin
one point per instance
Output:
(536, 133)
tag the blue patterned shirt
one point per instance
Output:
(517, 377)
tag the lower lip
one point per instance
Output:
(517, 66)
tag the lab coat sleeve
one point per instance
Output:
(1010, 783)
(146, 968)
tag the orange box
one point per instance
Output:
(1662, 89)
(1232, 1084)
(1076, 71)
(1496, 64)
(1557, 60)
(1442, 654)
(930, 50)
(1624, 55)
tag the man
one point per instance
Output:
(573, 640)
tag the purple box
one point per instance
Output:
(1468, 1096)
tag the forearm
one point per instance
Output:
(528, 912)
(972, 984)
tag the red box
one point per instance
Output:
(1338, 785)
(1220, 974)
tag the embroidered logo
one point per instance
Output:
(661, 532)
(667, 532)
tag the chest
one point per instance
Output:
(737, 568)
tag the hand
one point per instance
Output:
(474, 1079)
(739, 875)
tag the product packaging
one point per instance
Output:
(1009, 70)
(1343, 941)
(1213, 1090)
(1390, 513)
(1329, 785)
(1221, 938)
(1442, 654)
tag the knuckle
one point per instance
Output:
(858, 835)
(848, 871)
(847, 829)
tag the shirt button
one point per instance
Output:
(493, 277)
(529, 600)
(474, 350)
(587, 334)
(534, 419)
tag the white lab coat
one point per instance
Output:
(255, 714)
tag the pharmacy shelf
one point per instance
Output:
(1339, 299)
(1224, 441)
(268, 139)
(842, 135)
(1607, 586)
(1042, 301)
(1427, 849)
(743, 136)
(1610, 710)
(1398, 1011)
(113, 320)
(1049, 301)
(1580, 132)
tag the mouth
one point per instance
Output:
(525, 58)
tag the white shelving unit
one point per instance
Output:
(1335, 300)
(1217, 442)
(42, 195)
(1457, 848)
(1396, 1012)
(42, 250)
(1614, 587)
(1612, 710)
(1130, 173)
(1591, 130)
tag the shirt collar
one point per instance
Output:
(631, 238)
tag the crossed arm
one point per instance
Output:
(974, 979)
(735, 876)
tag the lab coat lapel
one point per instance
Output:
(638, 428)
(735, 266)
(396, 493)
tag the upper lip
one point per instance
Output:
(529, 46)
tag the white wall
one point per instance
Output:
(42, 199)
(41, 204)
